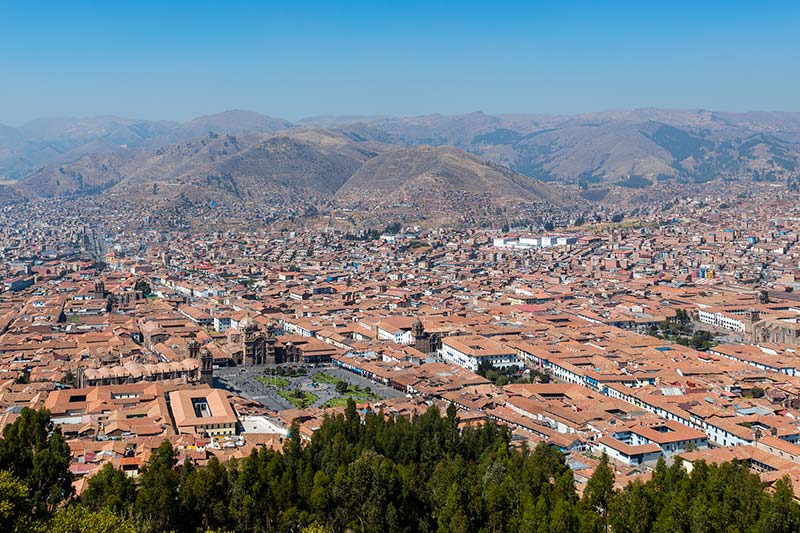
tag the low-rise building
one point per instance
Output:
(203, 412)
(469, 351)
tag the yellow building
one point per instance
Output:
(203, 411)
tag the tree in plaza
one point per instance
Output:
(342, 387)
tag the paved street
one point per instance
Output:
(243, 383)
(354, 379)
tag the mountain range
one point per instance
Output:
(630, 148)
(242, 155)
(59, 140)
(260, 167)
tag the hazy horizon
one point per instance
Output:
(302, 118)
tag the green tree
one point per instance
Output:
(631, 510)
(78, 519)
(342, 387)
(373, 472)
(204, 497)
(782, 513)
(315, 528)
(156, 506)
(143, 286)
(15, 503)
(110, 489)
(33, 450)
(24, 378)
(452, 518)
(600, 488)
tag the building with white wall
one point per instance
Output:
(469, 351)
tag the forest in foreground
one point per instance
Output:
(376, 474)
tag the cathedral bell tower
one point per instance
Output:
(99, 289)
(193, 347)
(270, 356)
(206, 368)
(255, 343)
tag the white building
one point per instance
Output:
(524, 243)
(733, 320)
(637, 444)
(469, 351)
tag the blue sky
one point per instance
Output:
(298, 58)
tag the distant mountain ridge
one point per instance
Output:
(626, 148)
(257, 167)
(621, 147)
(48, 141)
(432, 169)
(318, 161)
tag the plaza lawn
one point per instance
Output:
(323, 377)
(298, 398)
(278, 383)
(289, 371)
(335, 402)
(358, 394)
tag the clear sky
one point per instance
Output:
(294, 58)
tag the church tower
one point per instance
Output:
(206, 368)
(193, 347)
(270, 357)
(418, 331)
(425, 342)
(255, 343)
(99, 289)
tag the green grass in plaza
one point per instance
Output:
(298, 398)
(335, 402)
(278, 383)
(358, 394)
(302, 399)
(324, 377)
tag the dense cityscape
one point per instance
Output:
(664, 338)
(399, 267)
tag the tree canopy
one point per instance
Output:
(380, 473)
(34, 451)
